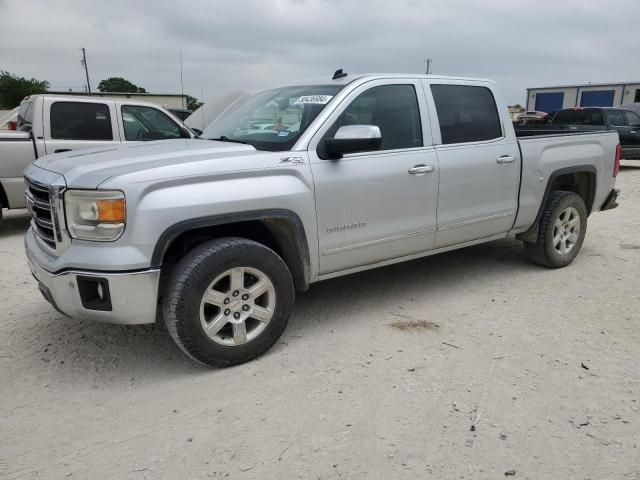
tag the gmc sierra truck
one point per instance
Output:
(60, 123)
(299, 184)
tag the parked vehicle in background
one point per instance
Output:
(49, 124)
(624, 121)
(354, 172)
(532, 118)
(180, 113)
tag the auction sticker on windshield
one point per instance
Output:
(314, 99)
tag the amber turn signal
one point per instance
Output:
(112, 211)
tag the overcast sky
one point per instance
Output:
(255, 44)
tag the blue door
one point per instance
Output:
(597, 98)
(549, 102)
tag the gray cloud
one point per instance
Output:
(254, 44)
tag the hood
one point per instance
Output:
(89, 168)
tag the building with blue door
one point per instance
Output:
(552, 99)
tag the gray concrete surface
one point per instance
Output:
(543, 364)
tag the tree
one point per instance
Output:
(13, 89)
(193, 103)
(119, 84)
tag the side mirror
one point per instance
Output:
(352, 139)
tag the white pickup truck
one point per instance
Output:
(299, 184)
(49, 124)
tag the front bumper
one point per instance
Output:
(125, 297)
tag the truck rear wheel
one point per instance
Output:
(561, 230)
(228, 301)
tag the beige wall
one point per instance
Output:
(630, 92)
(167, 101)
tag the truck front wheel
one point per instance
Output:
(228, 301)
(561, 230)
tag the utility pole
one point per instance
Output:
(86, 69)
(181, 83)
(428, 62)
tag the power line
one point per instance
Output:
(181, 83)
(86, 69)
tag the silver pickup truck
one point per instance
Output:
(60, 123)
(299, 184)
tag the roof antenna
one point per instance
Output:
(338, 74)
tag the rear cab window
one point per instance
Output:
(80, 121)
(466, 113)
(579, 116)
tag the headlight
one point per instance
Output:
(94, 214)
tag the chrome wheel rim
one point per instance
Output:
(566, 231)
(237, 306)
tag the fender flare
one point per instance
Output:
(532, 233)
(293, 238)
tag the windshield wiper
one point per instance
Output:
(224, 138)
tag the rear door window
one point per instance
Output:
(80, 121)
(466, 113)
(616, 118)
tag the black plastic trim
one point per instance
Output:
(300, 272)
(17, 139)
(547, 191)
(88, 288)
(611, 202)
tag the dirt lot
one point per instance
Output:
(510, 367)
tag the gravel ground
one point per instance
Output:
(469, 364)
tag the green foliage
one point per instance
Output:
(119, 84)
(193, 103)
(13, 89)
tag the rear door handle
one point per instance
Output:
(506, 159)
(633, 131)
(60, 150)
(421, 169)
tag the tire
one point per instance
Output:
(205, 327)
(557, 227)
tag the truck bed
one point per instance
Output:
(545, 151)
(523, 131)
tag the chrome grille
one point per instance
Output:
(42, 215)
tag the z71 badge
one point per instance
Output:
(346, 226)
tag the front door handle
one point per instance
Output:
(421, 169)
(60, 150)
(506, 159)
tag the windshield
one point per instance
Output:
(275, 119)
